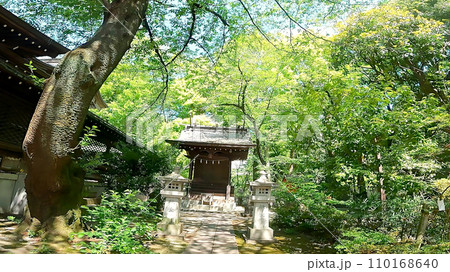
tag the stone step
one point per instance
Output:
(227, 207)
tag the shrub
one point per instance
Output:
(120, 224)
(300, 205)
(399, 215)
(127, 167)
(364, 241)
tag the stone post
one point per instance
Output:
(173, 192)
(261, 198)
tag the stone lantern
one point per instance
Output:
(173, 192)
(261, 198)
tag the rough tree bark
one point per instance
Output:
(54, 182)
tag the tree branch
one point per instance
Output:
(243, 88)
(164, 4)
(231, 104)
(299, 25)
(265, 112)
(254, 23)
(331, 11)
(204, 49)
(152, 39)
(191, 32)
(165, 89)
(224, 22)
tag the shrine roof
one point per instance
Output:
(214, 136)
(24, 39)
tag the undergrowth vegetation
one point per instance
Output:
(122, 223)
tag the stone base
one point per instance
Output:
(229, 207)
(169, 228)
(261, 234)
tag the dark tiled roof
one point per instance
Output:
(215, 136)
(29, 42)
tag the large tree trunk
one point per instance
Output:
(54, 182)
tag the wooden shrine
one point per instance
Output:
(212, 150)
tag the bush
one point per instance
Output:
(127, 168)
(299, 205)
(120, 224)
(399, 215)
(364, 241)
(391, 227)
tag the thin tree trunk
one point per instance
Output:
(54, 182)
(425, 215)
(258, 144)
(362, 191)
(291, 156)
(447, 216)
(381, 178)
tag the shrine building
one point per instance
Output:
(212, 150)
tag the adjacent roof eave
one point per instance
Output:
(53, 48)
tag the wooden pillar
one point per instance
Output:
(191, 169)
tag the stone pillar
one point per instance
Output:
(170, 224)
(173, 192)
(261, 230)
(261, 198)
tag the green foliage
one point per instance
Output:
(44, 249)
(15, 219)
(438, 10)
(33, 233)
(89, 133)
(134, 169)
(69, 22)
(122, 223)
(360, 241)
(400, 215)
(128, 167)
(394, 46)
(371, 108)
(363, 241)
(300, 204)
(37, 80)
